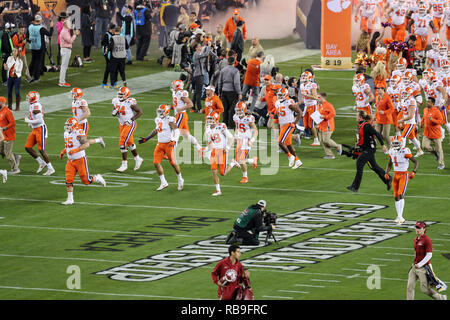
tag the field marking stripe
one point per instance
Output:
(371, 264)
(399, 254)
(119, 205)
(59, 258)
(308, 285)
(102, 293)
(442, 239)
(62, 229)
(325, 280)
(278, 297)
(381, 259)
(293, 291)
(349, 269)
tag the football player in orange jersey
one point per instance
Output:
(75, 144)
(168, 133)
(245, 136)
(3, 173)
(399, 156)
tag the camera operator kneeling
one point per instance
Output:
(249, 224)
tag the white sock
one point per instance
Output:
(218, 187)
(163, 179)
(401, 205)
(179, 177)
(244, 174)
(49, 166)
(125, 163)
(137, 157)
(40, 161)
(416, 143)
(447, 125)
(97, 140)
(397, 208)
(250, 161)
(70, 196)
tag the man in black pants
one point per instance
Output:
(249, 224)
(107, 54)
(35, 37)
(229, 86)
(118, 47)
(366, 142)
(142, 17)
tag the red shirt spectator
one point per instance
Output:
(422, 246)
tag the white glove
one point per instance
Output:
(128, 123)
(114, 112)
(228, 148)
(354, 108)
(299, 127)
(27, 120)
(252, 141)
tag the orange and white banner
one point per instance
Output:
(336, 34)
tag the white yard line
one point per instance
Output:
(59, 258)
(293, 291)
(278, 297)
(324, 280)
(307, 285)
(101, 293)
(399, 254)
(371, 264)
(349, 269)
(441, 239)
(381, 259)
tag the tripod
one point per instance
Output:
(269, 235)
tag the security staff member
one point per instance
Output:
(248, 225)
(366, 142)
(142, 17)
(118, 47)
(35, 36)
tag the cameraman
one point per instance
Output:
(249, 224)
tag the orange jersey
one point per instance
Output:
(213, 104)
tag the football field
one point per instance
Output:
(128, 241)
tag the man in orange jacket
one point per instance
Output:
(213, 104)
(326, 126)
(251, 79)
(230, 27)
(432, 120)
(383, 114)
(8, 126)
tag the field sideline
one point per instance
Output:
(328, 236)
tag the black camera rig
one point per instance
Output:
(269, 219)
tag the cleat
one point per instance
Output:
(298, 164)
(162, 186)
(102, 143)
(139, 161)
(99, 179)
(329, 157)
(315, 144)
(291, 161)
(399, 221)
(180, 184)
(14, 171)
(419, 153)
(41, 167)
(441, 167)
(255, 163)
(217, 193)
(67, 202)
(49, 172)
(4, 174)
(351, 188)
(122, 168)
(105, 86)
(244, 180)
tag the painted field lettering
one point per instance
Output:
(374, 280)
(74, 280)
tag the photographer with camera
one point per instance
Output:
(249, 224)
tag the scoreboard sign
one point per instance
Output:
(336, 34)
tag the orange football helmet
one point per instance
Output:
(435, 42)
(407, 93)
(407, 77)
(212, 118)
(71, 124)
(283, 94)
(177, 85)
(163, 111)
(306, 77)
(123, 93)
(33, 96)
(77, 93)
(241, 108)
(401, 64)
(395, 81)
(358, 79)
(398, 142)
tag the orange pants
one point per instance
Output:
(84, 127)
(80, 166)
(240, 154)
(162, 149)
(37, 136)
(307, 120)
(399, 183)
(395, 117)
(218, 159)
(409, 131)
(126, 134)
(182, 121)
(398, 32)
(365, 24)
(437, 24)
(447, 32)
(421, 42)
(366, 109)
(286, 134)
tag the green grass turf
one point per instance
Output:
(40, 238)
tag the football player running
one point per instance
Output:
(407, 121)
(80, 109)
(219, 141)
(168, 133)
(394, 91)
(181, 103)
(127, 111)
(3, 173)
(363, 95)
(39, 134)
(399, 157)
(308, 89)
(75, 144)
(285, 109)
(245, 136)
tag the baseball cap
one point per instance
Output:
(193, 26)
(7, 25)
(3, 99)
(182, 27)
(235, 11)
(210, 88)
(420, 224)
(262, 203)
(267, 77)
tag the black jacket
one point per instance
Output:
(170, 15)
(367, 136)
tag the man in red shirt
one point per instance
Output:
(229, 274)
(432, 120)
(8, 126)
(251, 79)
(422, 260)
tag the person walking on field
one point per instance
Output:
(66, 41)
(421, 269)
